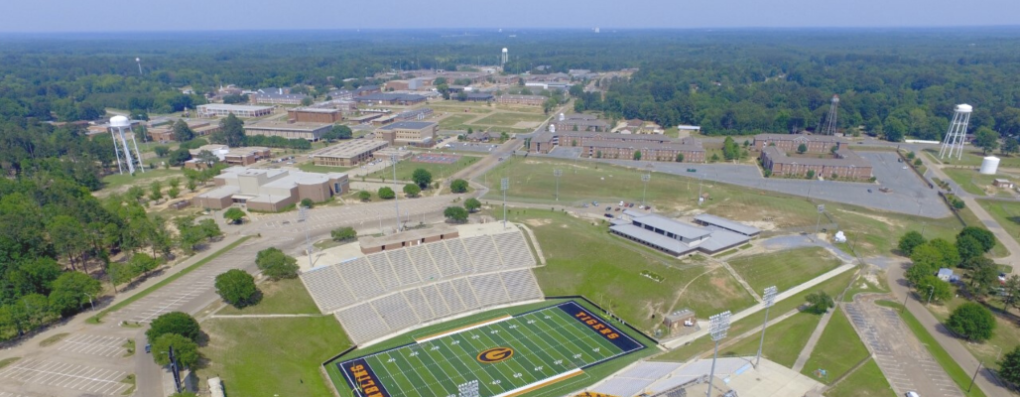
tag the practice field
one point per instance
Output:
(507, 356)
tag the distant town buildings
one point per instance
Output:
(528, 100)
(270, 190)
(791, 142)
(390, 99)
(622, 146)
(315, 115)
(348, 153)
(824, 155)
(234, 156)
(243, 111)
(580, 122)
(276, 96)
(408, 133)
(307, 131)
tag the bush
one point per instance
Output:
(307, 203)
(411, 190)
(234, 215)
(275, 264)
(985, 237)
(70, 292)
(344, 234)
(237, 288)
(972, 321)
(820, 302)
(456, 214)
(472, 204)
(386, 193)
(174, 323)
(422, 177)
(364, 196)
(459, 186)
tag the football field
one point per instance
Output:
(506, 356)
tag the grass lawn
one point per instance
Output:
(974, 158)
(458, 108)
(439, 171)
(866, 381)
(838, 350)
(783, 341)
(961, 377)
(117, 180)
(974, 182)
(311, 167)
(456, 122)
(863, 286)
(703, 345)
(266, 357)
(509, 119)
(1006, 335)
(532, 181)
(999, 251)
(1006, 214)
(784, 269)
(586, 260)
(279, 297)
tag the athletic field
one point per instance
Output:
(506, 356)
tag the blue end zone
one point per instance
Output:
(601, 327)
(362, 379)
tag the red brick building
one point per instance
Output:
(844, 163)
(790, 142)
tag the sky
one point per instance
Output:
(217, 15)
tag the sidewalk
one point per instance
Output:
(805, 353)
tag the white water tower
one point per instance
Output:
(118, 126)
(989, 166)
(504, 58)
(957, 133)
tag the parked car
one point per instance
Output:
(610, 216)
(148, 348)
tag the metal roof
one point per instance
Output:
(410, 125)
(727, 224)
(680, 229)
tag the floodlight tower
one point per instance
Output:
(118, 125)
(830, 119)
(957, 133)
(720, 323)
(557, 173)
(504, 185)
(396, 205)
(767, 299)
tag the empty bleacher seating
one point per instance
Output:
(381, 266)
(444, 261)
(460, 255)
(489, 289)
(362, 322)
(514, 250)
(435, 300)
(521, 285)
(483, 253)
(466, 294)
(419, 304)
(335, 293)
(423, 263)
(395, 311)
(360, 277)
(406, 273)
(452, 298)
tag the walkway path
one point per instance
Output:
(265, 315)
(534, 242)
(805, 353)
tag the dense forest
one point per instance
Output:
(54, 232)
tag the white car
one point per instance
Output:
(913, 394)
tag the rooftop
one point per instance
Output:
(798, 138)
(409, 125)
(843, 156)
(221, 106)
(660, 222)
(728, 224)
(283, 125)
(409, 235)
(316, 110)
(349, 148)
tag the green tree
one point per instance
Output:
(411, 190)
(927, 260)
(679, 157)
(637, 155)
(155, 191)
(909, 241)
(161, 150)
(192, 184)
(120, 273)
(810, 174)
(306, 101)
(234, 215)
(802, 148)
(459, 186)
(344, 234)
(472, 204)
(339, 131)
(275, 264)
(185, 350)
(731, 151)
(72, 291)
(182, 133)
(65, 233)
(422, 177)
(237, 288)
(820, 302)
(173, 192)
(364, 196)
(972, 321)
(968, 247)
(1010, 146)
(1009, 369)
(1011, 290)
(894, 129)
(984, 277)
(938, 290)
(174, 323)
(231, 132)
(142, 263)
(950, 255)
(456, 214)
(714, 158)
(982, 235)
(386, 193)
(179, 156)
(986, 139)
(307, 203)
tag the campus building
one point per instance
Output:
(315, 115)
(529, 100)
(277, 97)
(790, 142)
(408, 133)
(242, 111)
(348, 153)
(307, 131)
(270, 190)
(679, 238)
(410, 238)
(165, 132)
(691, 151)
(580, 122)
(390, 99)
(234, 156)
(843, 163)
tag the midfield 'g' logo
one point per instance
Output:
(495, 355)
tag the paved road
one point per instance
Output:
(988, 384)
(903, 359)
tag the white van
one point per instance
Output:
(913, 394)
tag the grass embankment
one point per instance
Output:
(866, 381)
(1005, 338)
(838, 350)
(961, 377)
(584, 259)
(532, 181)
(1006, 214)
(406, 167)
(322, 169)
(278, 297)
(120, 305)
(703, 345)
(784, 269)
(783, 341)
(118, 180)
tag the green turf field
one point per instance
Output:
(510, 356)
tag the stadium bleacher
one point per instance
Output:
(390, 291)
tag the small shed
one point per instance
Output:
(1002, 183)
(680, 318)
(946, 274)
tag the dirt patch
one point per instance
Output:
(538, 222)
(882, 219)
(526, 124)
(721, 285)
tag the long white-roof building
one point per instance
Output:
(678, 238)
(244, 111)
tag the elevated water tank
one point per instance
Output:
(120, 121)
(990, 165)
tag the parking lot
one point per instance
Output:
(43, 375)
(94, 345)
(906, 363)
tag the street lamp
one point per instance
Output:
(557, 173)
(90, 300)
(396, 204)
(645, 178)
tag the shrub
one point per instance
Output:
(275, 264)
(459, 186)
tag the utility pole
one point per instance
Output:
(504, 184)
(308, 241)
(767, 299)
(720, 323)
(396, 204)
(645, 178)
(818, 219)
(557, 173)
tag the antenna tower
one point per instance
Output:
(957, 134)
(830, 119)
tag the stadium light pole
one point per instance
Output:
(645, 178)
(767, 299)
(396, 204)
(504, 184)
(720, 323)
(818, 219)
(557, 173)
